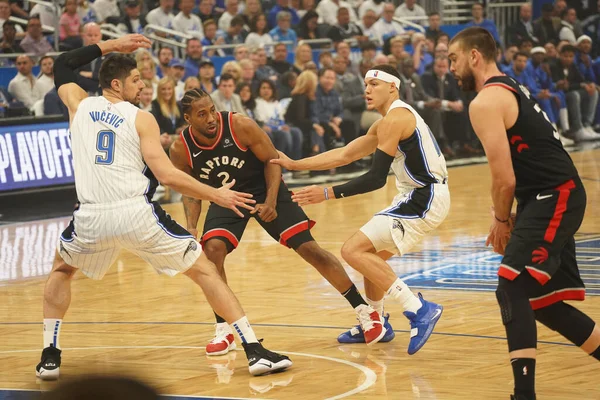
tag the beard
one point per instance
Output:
(467, 82)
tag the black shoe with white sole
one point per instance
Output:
(262, 361)
(49, 367)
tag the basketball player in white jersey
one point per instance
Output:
(400, 140)
(117, 158)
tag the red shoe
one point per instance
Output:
(371, 324)
(223, 342)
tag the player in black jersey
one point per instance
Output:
(221, 147)
(527, 162)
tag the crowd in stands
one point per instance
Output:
(308, 98)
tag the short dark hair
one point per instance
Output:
(388, 69)
(165, 48)
(431, 14)
(279, 45)
(9, 23)
(323, 70)
(190, 97)
(568, 49)
(479, 39)
(43, 57)
(226, 77)
(238, 20)
(520, 54)
(368, 45)
(117, 66)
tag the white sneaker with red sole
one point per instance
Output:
(371, 324)
(223, 342)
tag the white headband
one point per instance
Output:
(384, 76)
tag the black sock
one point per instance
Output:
(524, 373)
(353, 296)
(596, 354)
(220, 319)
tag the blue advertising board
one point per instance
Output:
(37, 155)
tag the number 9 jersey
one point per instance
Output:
(539, 160)
(107, 158)
(225, 160)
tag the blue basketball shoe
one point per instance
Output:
(356, 335)
(422, 324)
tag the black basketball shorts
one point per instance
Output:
(291, 228)
(543, 244)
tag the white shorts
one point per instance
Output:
(411, 216)
(98, 232)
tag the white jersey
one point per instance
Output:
(107, 157)
(418, 161)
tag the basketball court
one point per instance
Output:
(152, 327)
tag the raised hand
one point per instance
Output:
(231, 199)
(130, 43)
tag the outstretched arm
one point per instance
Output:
(355, 150)
(191, 206)
(65, 65)
(398, 125)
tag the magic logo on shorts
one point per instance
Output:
(193, 246)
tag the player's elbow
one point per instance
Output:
(165, 176)
(506, 184)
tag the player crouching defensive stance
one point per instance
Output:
(400, 140)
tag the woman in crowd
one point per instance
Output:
(167, 112)
(259, 32)
(298, 113)
(232, 68)
(271, 114)
(147, 70)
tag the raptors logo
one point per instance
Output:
(539, 255)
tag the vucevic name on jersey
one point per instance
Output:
(225, 160)
(539, 160)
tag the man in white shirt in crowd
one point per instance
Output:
(327, 10)
(386, 27)
(224, 97)
(187, 22)
(411, 11)
(231, 10)
(105, 9)
(21, 87)
(367, 25)
(162, 15)
(45, 81)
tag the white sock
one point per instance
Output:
(377, 305)
(409, 301)
(563, 116)
(244, 330)
(52, 332)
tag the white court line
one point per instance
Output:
(370, 376)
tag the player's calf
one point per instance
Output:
(521, 332)
(573, 324)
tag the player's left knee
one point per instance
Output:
(517, 314)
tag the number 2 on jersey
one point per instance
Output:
(224, 176)
(106, 146)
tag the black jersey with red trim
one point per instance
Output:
(539, 160)
(225, 160)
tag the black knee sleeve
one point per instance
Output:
(517, 315)
(568, 321)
